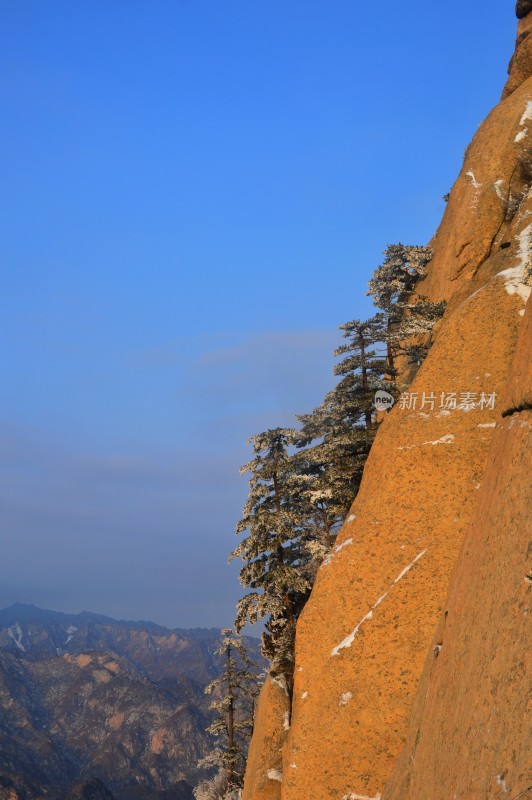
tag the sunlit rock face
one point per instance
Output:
(438, 475)
(265, 760)
(470, 731)
(520, 66)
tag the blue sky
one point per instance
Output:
(194, 195)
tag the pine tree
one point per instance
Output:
(326, 476)
(297, 500)
(392, 285)
(336, 437)
(216, 788)
(303, 482)
(234, 691)
(363, 369)
(271, 551)
(394, 280)
(413, 333)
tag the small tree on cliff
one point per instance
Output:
(336, 437)
(362, 369)
(410, 336)
(271, 550)
(327, 470)
(216, 788)
(234, 694)
(391, 286)
(297, 500)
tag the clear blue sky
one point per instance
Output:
(193, 196)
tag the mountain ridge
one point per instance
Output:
(84, 697)
(26, 609)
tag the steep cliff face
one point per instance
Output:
(470, 735)
(265, 760)
(438, 472)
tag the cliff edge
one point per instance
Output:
(443, 494)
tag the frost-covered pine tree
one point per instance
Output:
(336, 437)
(363, 367)
(412, 336)
(391, 286)
(272, 550)
(234, 694)
(217, 788)
(326, 475)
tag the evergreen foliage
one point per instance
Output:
(302, 482)
(234, 694)
(271, 551)
(363, 368)
(392, 286)
(216, 788)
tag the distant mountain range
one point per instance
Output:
(92, 708)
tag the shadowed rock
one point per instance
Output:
(522, 8)
(90, 790)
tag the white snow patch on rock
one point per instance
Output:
(487, 425)
(348, 641)
(474, 181)
(498, 190)
(513, 282)
(327, 560)
(502, 782)
(71, 630)
(305, 694)
(525, 246)
(341, 546)
(527, 113)
(515, 276)
(521, 135)
(286, 721)
(15, 633)
(275, 775)
(345, 698)
(361, 797)
(475, 293)
(280, 681)
(447, 439)
(351, 517)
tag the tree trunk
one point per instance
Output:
(365, 386)
(230, 718)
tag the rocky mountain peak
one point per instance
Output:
(522, 8)
(91, 707)
(520, 66)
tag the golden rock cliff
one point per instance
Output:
(415, 629)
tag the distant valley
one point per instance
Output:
(94, 708)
